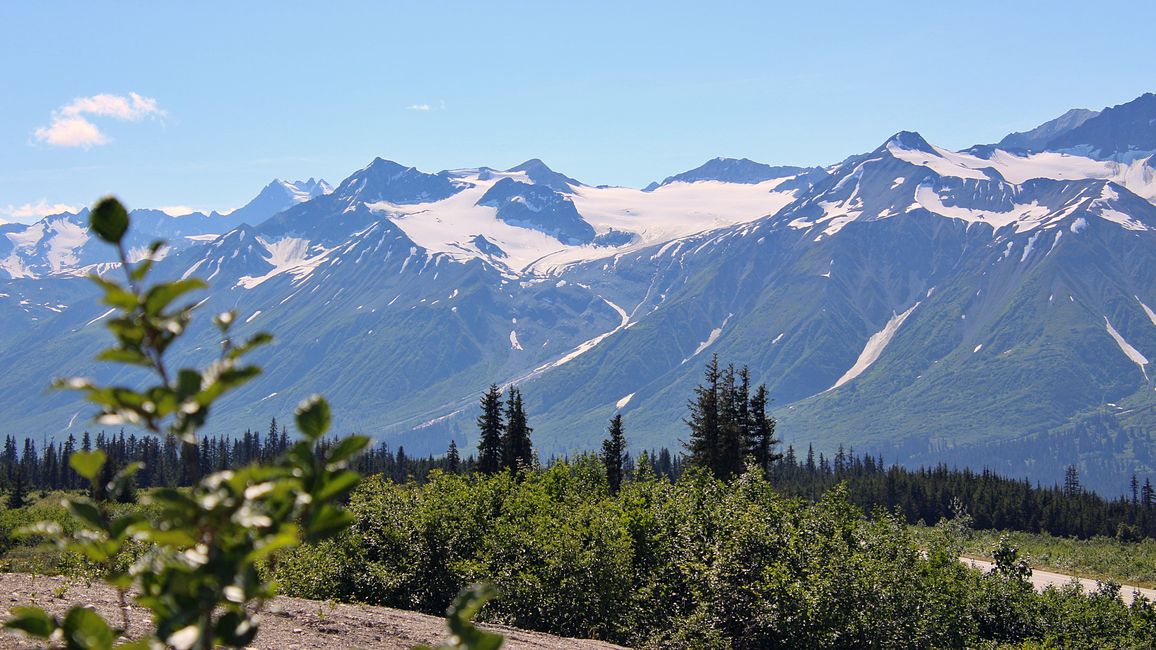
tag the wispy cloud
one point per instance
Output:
(71, 127)
(425, 108)
(30, 212)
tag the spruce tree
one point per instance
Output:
(761, 432)
(516, 445)
(453, 459)
(1072, 481)
(731, 442)
(490, 454)
(703, 445)
(18, 495)
(66, 474)
(613, 454)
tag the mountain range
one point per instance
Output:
(989, 307)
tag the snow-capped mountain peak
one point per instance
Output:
(540, 174)
(386, 180)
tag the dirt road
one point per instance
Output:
(1043, 579)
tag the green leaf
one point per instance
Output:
(313, 417)
(164, 294)
(255, 341)
(328, 521)
(87, 463)
(188, 383)
(32, 621)
(114, 294)
(286, 538)
(84, 628)
(345, 449)
(338, 485)
(109, 220)
(117, 355)
(461, 613)
(86, 512)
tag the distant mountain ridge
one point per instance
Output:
(60, 244)
(924, 302)
(729, 170)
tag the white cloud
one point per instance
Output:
(425, 108)
(71, 128)
(132, 108)
(71, 132)
(30, 212)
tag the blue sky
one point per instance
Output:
(231, 95)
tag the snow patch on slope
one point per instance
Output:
(710, 339)
(1147, 310)
(1125, 347)
(946, 163)
(624, 401)
(1025, 216)
(288, 255)
(875, 346)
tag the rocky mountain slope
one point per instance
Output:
(930, 304)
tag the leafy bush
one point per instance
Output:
(199, 574)
(695, 563)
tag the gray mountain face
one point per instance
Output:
(385, 180)
(730, 170)
(964, 333)
(1122, 133)
(909, 300)
(540, 174)
(1038, 138)
(540, 208)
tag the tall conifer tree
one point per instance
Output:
(614, 454)
(704, 420)
(761, 435)
(519, 451)
(490, 453)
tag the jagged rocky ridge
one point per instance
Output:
(911, 299)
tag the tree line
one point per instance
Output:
(729, 430)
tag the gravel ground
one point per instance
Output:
(288, 623)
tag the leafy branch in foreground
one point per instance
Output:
(459, 619)
(199, 576)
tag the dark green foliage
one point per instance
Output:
(18, 492)
(995, 502)
(614, 454)
(490, 448)
(518, 451)
(453, 459)
(692, 563)
(761, 434)
(728, 426)
(109, 220)
(704, 444)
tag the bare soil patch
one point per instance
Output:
(287, 624)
